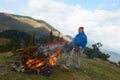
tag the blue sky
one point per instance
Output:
(95, 4)
(101, 18)
(12, 5)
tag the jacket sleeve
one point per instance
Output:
(73, 43)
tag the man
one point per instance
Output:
(79, 43)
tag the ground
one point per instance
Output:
(89, 70)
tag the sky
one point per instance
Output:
(100, 18)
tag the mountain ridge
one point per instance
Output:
(28, 24)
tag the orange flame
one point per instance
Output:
(39, 62)
(35, 63)
(54, 57)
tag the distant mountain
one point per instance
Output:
(115, 57)
(69, 36)
(28, 24)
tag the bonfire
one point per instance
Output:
(39, 59)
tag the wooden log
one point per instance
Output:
(64, 67)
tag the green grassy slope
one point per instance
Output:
(90, 70)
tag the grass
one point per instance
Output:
(90, 70)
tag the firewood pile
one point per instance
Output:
(39, 59)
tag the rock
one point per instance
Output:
(10, 53)
(2, 68)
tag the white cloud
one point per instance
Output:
(5, 10)
(100, 25)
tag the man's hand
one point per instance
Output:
(77, 49)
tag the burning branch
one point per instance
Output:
(35, 63)
(54, 57)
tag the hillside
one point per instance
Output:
(90, 70)
(27, 24)
(7, 22)
(13, 39)
(15, 35)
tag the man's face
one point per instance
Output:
(80, 30)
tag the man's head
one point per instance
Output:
(80, 29)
